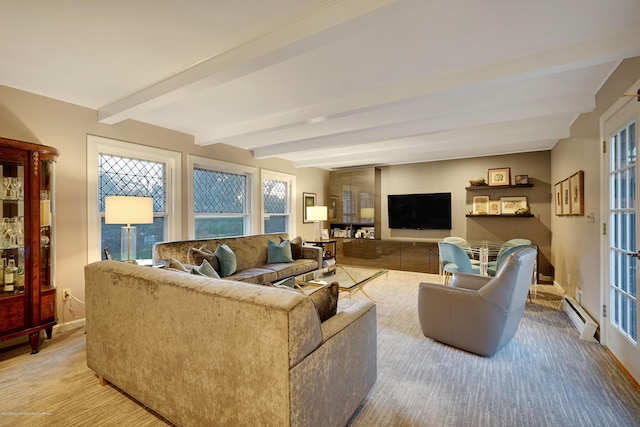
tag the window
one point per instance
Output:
(125, 169)
(125, 176)
(277, 201)
(221, 198)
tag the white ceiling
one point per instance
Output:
(330, 84)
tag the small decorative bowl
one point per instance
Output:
(477, 181)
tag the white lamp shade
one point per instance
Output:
(316, 213)
(367, 213)
(128, 210)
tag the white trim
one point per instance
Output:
(97, 145)
(225, 167)
(286, 177)
(68, 326)
(604, 206)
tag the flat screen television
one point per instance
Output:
(420, 211)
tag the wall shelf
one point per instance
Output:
(529, 215)
(496, 187)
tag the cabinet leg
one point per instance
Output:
(34, 339)
(49, 332)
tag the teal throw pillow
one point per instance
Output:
(205, 269)
(227, 260)
(279, 252)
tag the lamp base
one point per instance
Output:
(128, 243)
(317, 235)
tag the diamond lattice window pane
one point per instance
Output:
(124, 176)
(275, 196)
(219, 192)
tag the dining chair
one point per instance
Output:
(454, 259)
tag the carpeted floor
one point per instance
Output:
(545, 376)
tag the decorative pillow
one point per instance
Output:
(289, 282)
(205, 269)
(279, 252)
(203, 253)
(326, 300)
(177, 265)
(227, 260)
(296, 247)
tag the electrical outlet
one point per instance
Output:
(66, 294)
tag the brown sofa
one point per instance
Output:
(251, 256)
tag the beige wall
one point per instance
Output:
(32, 118)
(453, 176)
(575, 247)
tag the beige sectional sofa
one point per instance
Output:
(203, 352)
(251, 256)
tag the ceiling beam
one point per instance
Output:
(608, 48)
(318, 27)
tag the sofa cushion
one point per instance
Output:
(202, 253)
(278, 252)
(205, 269)
(289, 269)
(227, 260)
(254, 275)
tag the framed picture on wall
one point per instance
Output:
(499, 176)
(566, 197)
(558, 198)
(308, 199)
(576, 184)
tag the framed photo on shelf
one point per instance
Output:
(480, 205)
(576, 185)
(522, 179)
(308, 199)
(509, 205)
(494, 207)
(558, 198)
(499, 176)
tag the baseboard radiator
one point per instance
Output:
(584, 323)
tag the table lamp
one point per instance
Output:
(317, 214)
(367, 213)
(128, 210)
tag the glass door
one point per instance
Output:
(12, 232)
(620, 296)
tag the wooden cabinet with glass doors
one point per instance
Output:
(27, 288)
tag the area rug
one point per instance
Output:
(545, 376)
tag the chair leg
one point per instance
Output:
(447, 276)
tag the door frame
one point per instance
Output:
(614, 109)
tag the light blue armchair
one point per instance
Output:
(454, 259)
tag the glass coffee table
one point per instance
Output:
(350, 279)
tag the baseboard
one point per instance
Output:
(68, 326)
(559, 288)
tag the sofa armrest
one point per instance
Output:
(313, 252)
(344, 317)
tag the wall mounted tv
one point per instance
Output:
(420, 211)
